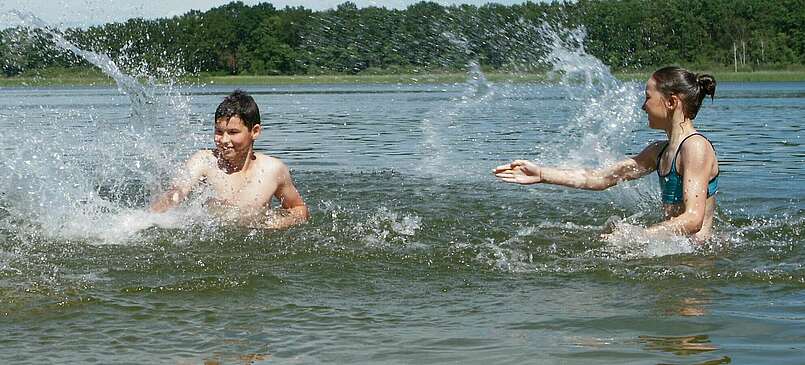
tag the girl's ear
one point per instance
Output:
(672, 102)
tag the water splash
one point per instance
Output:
(605, 127)
(628, 242)
(140, 96)
(387, 227)
(476, 80)
(82, 174)
(597, 134)
(600, 132)
(439, 128)
(571, 62)
(606, 123)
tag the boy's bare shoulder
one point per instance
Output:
(270, 165)
(202, 159)
(203, 155)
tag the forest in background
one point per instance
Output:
(238, 39)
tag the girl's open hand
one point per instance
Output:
(519, 172)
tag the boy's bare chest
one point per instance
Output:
(245, 190)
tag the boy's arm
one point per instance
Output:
(294, 211)
(524, 172)
(189, 175)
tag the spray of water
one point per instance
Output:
(439, 127)
(140, 95)
(82, 175)
(598, 134)
(606, 123)
(85, 175)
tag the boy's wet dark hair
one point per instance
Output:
(241, 104)
(690, 87)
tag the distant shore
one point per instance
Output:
(98, 79)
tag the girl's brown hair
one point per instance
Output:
(690, 87)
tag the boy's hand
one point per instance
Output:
(519, 172)
(280, 218)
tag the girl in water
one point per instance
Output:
(686, 163)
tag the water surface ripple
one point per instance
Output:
(414, 253)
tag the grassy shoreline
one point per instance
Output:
(98, 79)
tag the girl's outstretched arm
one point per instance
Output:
(525, 172)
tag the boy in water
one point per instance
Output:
(242, 181)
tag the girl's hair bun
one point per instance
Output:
(691, 88)
(707, 83)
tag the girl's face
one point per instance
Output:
(656, 106)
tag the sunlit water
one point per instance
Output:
(414, 252)
(408, 256)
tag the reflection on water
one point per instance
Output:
(688, 297)
(684, 346)
(693, 306)
(679, 345)
(222, 359)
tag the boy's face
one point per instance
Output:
(233, 139)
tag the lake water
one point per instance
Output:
(414, 252)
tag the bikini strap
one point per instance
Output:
(673, 162)
(708, 141)
(659, 156)
(680, 146)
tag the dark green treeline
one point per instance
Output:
(264, 40)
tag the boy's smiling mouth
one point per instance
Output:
(227, 152)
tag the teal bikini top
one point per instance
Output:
(671, 183)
